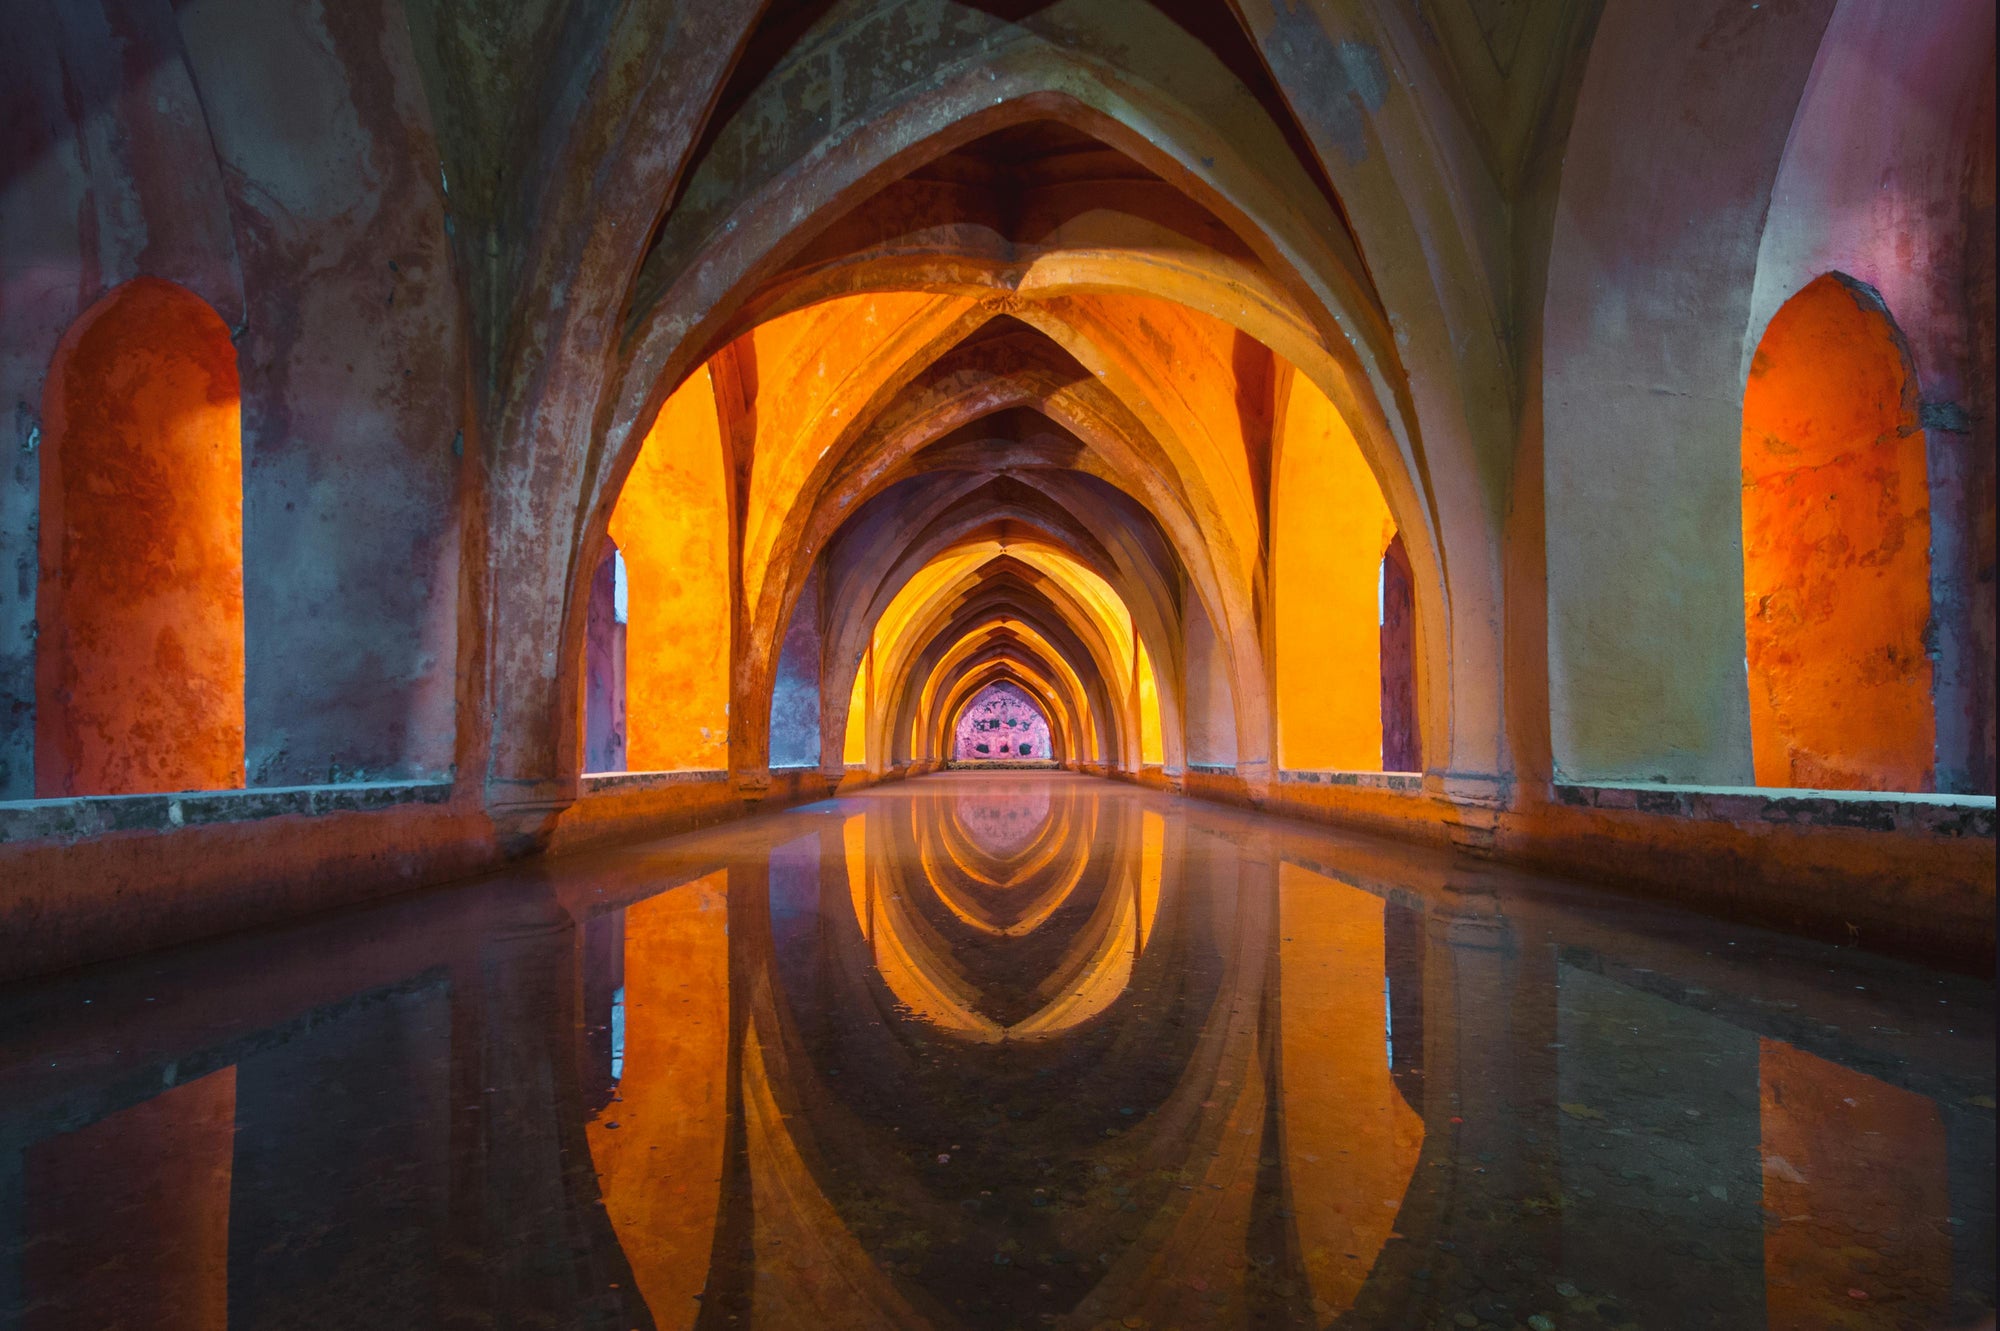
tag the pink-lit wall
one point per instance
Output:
(1002, 719)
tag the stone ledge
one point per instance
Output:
(84, 816)
(1863, 810)
(1409, 783)
(608, 783)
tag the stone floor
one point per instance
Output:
(1001, 1050)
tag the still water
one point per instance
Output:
(988, 1051)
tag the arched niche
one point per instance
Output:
(672, 532)
(139, 660)
(1836, 549)
(1329, 526)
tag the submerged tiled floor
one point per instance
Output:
(1001, 1051)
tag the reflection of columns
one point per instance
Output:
(1188, 1264)
(1659, 1140)
(527, 1239)
(1969, 1151)
(1488, 1021)
(342, 1137)
(130, 1216)
(603, 1007)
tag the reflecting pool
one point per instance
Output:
(994, 1051)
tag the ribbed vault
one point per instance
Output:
(1050, 282)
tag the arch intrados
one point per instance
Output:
(1074, 654)
(1078, 651)
(969, 691)
(1025, 651)
(1043, 603)
(955, 683)
(965, 527)
(973, 684)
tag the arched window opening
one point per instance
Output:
(1836, 550)
(666, 598)
(1396, 613)
(139, 662)
(604, 664)
(1329, 525)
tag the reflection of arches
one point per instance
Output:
(1836, 549)
(139, 665)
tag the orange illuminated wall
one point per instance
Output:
(1330, 526)
(672, 525)
(1152, 746)
(1836, 550)
(1856, 1197)
(139, 663)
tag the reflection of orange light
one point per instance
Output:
(1854, 1171)
(808, 1269)
(1151, 745)
(918, 964)
(1836, 550)
(130, 1216)
(672, 524)
(139, 670)
(1330, 527)
(918, 607)
(660, 1169)
(1351, 1141)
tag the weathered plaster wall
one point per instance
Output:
(795, 694)
(1888, 178)
(351, 359)
(165, 878)
(276, 161)
(1210, 704)
(604, 668)
(1402, 722)
(106, 172)
(1679, 130)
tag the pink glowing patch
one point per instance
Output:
(1001, 725)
